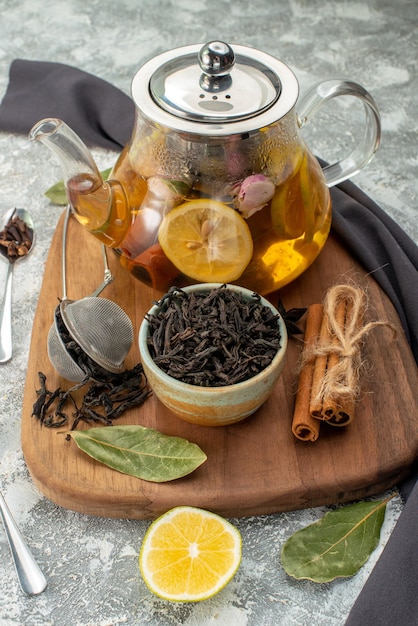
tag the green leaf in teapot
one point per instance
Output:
(57, 194)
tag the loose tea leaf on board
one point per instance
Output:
(141, 452)
(291, 317)
(337, 545)
(104, 400)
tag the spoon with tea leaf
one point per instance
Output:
(16, 241)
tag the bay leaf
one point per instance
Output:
(141, 452)
(57, 194)
(337, 545)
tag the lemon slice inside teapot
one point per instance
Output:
(206, 240)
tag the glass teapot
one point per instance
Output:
(216, 183)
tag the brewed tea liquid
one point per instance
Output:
(292, 231)
(287, 233)
(103, 213)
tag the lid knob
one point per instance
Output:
(216, 58)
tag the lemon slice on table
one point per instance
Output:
(206, 240)
(189, 554)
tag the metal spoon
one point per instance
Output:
(6, 349)
(31, 578)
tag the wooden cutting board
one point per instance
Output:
(253, 467)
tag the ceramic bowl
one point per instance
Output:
(213, 406)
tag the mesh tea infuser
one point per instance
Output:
(98, 326)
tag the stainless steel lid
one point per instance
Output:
(215, 89)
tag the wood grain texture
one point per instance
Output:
(253, 467)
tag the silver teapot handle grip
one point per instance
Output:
(316, 97)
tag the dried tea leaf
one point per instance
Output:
(290, 317)
(141, 452)
(338, 545)
(57, 194)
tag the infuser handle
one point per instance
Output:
(316, 97)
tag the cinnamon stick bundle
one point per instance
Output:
(335, 383)
(329, 379)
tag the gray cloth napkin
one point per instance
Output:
(96, 110)
(103, 116)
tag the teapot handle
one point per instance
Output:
(316, 97)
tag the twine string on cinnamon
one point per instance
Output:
(337, 354)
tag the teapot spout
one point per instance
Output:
(101, 207)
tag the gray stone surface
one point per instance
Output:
(91, 563)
